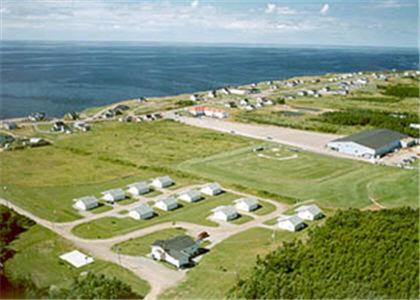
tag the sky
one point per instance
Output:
(391, 23)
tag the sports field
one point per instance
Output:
(332, 182)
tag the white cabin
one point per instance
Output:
(113, 195)
(141, 212)
(225, 213)
(309, 212)
(246, 204)
(290, 223)
(212, 189)
(138, 188)
(190, 196)
(167, 204)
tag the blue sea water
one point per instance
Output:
(57, 77)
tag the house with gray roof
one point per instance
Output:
(290, 223)
(177, 251)
(138, 188)
(309, 212)
(113, 195)
(162, 182)
(246, 204)
(85, 203)
(141, 212)
(212, 189)
(369, 143)
(190, 196)
(225, 213)
(167, 204)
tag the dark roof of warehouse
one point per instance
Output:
(375, 138)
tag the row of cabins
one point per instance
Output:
(199, 111)
(114, 195)
(296, 222)
(62, 127)
(259, 103)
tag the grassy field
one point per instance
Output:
(189, 212)
(37, 257)
(45, 180)
(141, 246)
(218, 270)
(330, 181)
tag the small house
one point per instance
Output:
(113, 195)
(83, 126)
(290, 223)
(141, 212)
(212, 94)
(212, 189)
(225, 213)
(309, 212)
(10, 125)
(85, 203)
(37, 116)
(177, 251)
(167, 204)
(138, 188)
(246, 204)
(190, 196)
(162, 182)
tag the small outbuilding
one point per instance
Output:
(10, 125)
(113, 195)
(225, 213)
(162, 182)
(85, 203)
(309, 212)
(190, 196)
(246, 204)
(141, 212)
(138, 188)
(167, 204)
(290, 223)
(212, 189)
(76, 258)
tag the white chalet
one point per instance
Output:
(290, 223)
(224, 213)
(113, 195)
(138, 188)
(212, 189)
(141, 212)
(190, 196)
(246, 204)
(162, 182)
(309, 212)
(166, 204)
(85, 203)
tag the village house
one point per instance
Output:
(212, 94)
(83, 126)
(166, 204)
(246, 204)
(309, 212)
(215, 113)
(138, 188)
(197, 111)
(369, 143)
(194, 97)
(60, 126)
(162, 182)
(85, 203)
(113, 196)
(290, 223)
(10, 125)
(212, 189)
(224, 213)
(190, 196)
(37, 116)
(177, 251)
(141, 212)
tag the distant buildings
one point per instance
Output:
(369, 143)
(198, 111)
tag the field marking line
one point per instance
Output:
(276, 158)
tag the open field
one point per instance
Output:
(45, 180)
(141, 246)
(330, 181)
(37, 257)
(217, 271)
(189, 212)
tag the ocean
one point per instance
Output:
(58, 77)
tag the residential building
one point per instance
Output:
(190, 196)
(309, 212)
(85, 203)
(225, 213)
(212, 189)
(162, 182)
(138, 188)
(290, 223)
(113, 195)
(166, 204)
(177, 251)
(141, 212)
(246, 204)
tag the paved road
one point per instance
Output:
(157, 275)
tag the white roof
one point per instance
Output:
(164, 179)
(228, 210)
(114, 192)
(213, 186)
(295, 220)
(192, 193)
(86, 199)
(312, 208)
(142, 209)
(167, 201)
(250, 201)
(76, 258)
(139, 185)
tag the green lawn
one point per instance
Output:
(264, 209)
(141, 246)
(332, 182)
(37, 257)
(101, 209)
(45, 180)
(242, 219)
(217, 271)
(189, 212)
